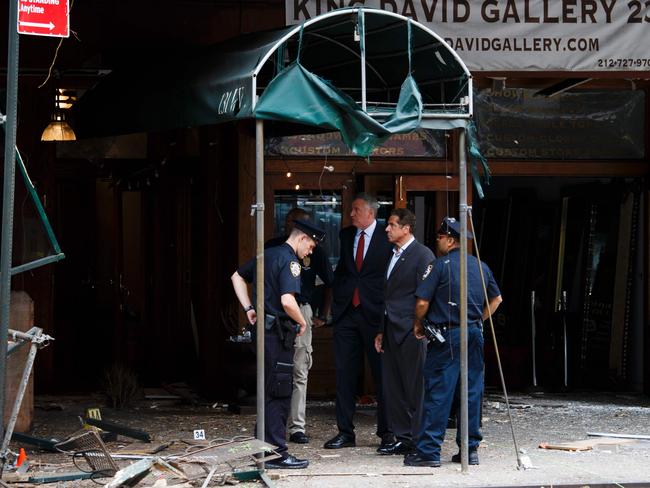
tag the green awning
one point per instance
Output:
(218, 83)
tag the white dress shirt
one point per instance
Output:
(368, 231)
(397, 253)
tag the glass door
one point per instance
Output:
(431, 198)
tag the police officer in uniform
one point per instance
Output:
(283, 322)
(438, 301)
(315, 265)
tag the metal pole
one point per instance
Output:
(8, 199)
(462, 190)
(27, 371)
(259, 306)
(362, 41)
(533, 333)
(564, 340)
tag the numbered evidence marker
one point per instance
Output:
(92, 413)
(199, 435)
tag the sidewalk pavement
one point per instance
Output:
(537, 419)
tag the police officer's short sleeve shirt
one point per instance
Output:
(281, 276)
(441, 287)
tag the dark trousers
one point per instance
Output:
(441, 374)
(403, 384)
(352, 337)
(277, 391)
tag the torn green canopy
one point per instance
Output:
(368, 73)
(221, 83)
(296, 95)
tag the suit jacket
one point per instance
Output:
(399, 290)
(370, 279)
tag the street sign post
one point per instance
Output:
(44, 18)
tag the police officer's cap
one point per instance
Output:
(310, 229)
(451, 227)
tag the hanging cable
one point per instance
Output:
(523, 462)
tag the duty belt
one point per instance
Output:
(477, 323)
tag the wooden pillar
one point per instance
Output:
(246, 187)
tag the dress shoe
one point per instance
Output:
(416, 460)
(397, 447)
(339, 441)
(299, 438)
(289, 462)
(386, 441)
(472, 457)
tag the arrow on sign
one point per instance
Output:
(37, 24)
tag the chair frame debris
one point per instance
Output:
(89, 445)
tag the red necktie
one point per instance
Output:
(358, 260)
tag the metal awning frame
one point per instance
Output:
(258, 209)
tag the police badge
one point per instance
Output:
(294, 266)
(427, 271)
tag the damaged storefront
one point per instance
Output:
(153, 224)
(561, 114)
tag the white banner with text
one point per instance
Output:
(522, 35)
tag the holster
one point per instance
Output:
(288, 331)
(432, 331)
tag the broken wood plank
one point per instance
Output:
(583, 445)
(145, 450)
(120, 429)
(45, 444)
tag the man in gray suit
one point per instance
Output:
(402, 354)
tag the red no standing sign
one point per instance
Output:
(44, 18)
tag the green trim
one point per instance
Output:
(37, 202)
(37, 263)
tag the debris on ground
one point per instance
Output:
(620, 436)
(583, 445)
(562, 420)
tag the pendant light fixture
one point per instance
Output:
(58, 129)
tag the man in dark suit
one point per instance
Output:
(358, 306)
(403, 355)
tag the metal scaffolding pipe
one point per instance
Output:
(462, 176)
(259, 285)
(8, 200)
(22, 387)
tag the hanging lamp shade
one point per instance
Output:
(58, 130)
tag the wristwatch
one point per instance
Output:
(250, 307)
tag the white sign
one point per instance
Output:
(199, 435)
(523, 35)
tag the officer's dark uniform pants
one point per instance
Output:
(403, 385)
(441, 374)
(352, 336)
(278, 380)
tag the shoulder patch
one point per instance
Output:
(427, 271)
(294, 266)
